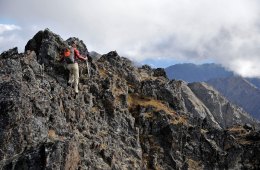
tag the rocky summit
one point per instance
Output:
(124, 117)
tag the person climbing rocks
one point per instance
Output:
(71, 57)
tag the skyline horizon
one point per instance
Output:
(165, 63)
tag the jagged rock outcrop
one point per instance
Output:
(225, 113)
(123, 117)
(95, 55)
(239, 91)
(196, 108)
(10, 53)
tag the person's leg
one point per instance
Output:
(71, 75)
(76, 77)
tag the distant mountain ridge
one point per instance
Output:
(244, 92)
(195, 73)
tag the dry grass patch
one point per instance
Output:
(237, 130)
(180, 120)
(117, 91)
(135, 100)
(52, 134)
(94, 109)
(144, 76)
(102, 72)
(194, 165)
(103, 146)
(244, 142)
(240, 134)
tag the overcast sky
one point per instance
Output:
(158, 32)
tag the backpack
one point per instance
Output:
(69, 55)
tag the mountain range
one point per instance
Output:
(124, 117)
(243, 92)
(196, 73)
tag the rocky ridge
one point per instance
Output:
(239, 91)
(123, 117)
(224, 112)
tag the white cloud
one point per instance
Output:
(223, 31)
(7, 27)
(8, 36)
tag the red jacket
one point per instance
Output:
(77, 55)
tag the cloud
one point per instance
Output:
(6, 27)
(7, 36)
(226, 32)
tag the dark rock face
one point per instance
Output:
(47, 45)
(159, 72)
(123, 117)
(10, 53)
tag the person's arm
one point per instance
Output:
(77, 55)
(83, 58)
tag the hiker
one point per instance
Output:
(71, 55)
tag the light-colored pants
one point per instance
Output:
(74, 75)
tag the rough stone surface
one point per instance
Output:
(10, 53)
(159, 72)
(123, 117)
(222, 110)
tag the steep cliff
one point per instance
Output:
(123, 117)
